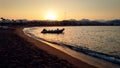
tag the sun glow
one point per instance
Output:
(51, 16)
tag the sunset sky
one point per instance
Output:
(60, 9)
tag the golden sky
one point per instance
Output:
(63, 9)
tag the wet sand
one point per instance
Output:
(19, 50)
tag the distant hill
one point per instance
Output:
(83, 22)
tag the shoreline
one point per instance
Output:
(81, 57)
(51, 50)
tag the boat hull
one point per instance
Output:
(51, 31)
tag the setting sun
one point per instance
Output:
(50, 16)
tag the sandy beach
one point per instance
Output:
(19, 50)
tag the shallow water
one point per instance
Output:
(103, 39)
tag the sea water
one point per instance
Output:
(98, 41)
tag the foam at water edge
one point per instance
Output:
(106, 57)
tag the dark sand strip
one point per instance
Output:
(17, 52)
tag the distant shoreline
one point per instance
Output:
(82, 22)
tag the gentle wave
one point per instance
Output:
(103, 56)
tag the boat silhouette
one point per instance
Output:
(53, 31)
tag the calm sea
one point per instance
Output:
(101, 39)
